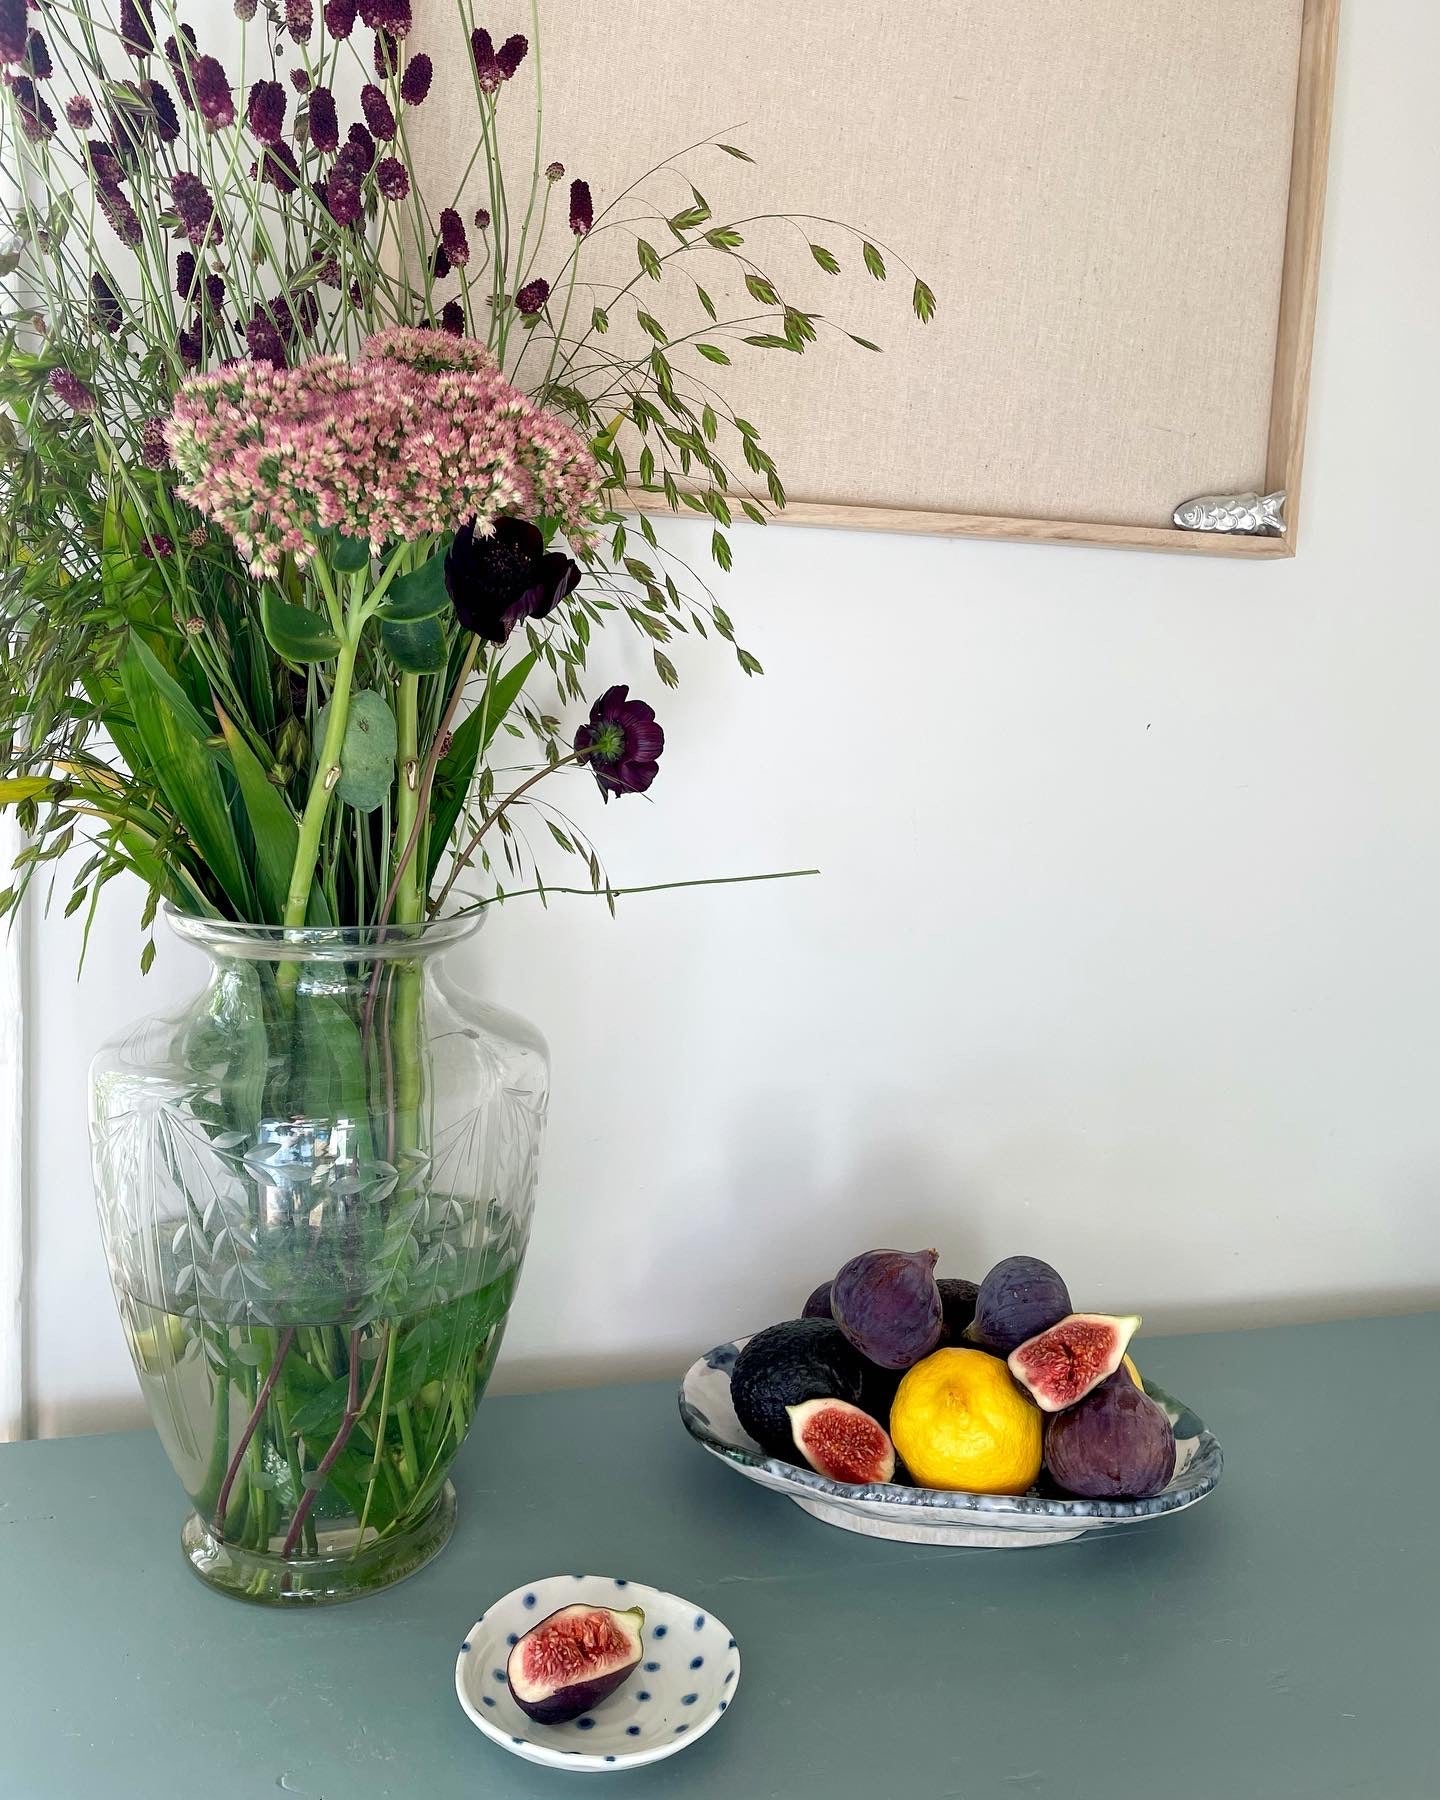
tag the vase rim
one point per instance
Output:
(321, 943)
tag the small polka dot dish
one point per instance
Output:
(684, 1684)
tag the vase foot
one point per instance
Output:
(339, 1572)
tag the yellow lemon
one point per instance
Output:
(960, 1421)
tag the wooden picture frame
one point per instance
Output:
(647, 55)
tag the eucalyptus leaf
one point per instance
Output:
(367, 756)
(419, 595)
(299, 635)
(416, 645)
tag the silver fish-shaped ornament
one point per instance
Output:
(1247, 515)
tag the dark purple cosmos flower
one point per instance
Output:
(393, 179)
(162, 111)
(386, 15)
(124, 220)
(137, 27)
(452, 318)
(364, 146)
(198, 217)
(300, 19)
(531, 300)
(79, 112)
(452, 236)
(387, 55)
(14, 29)
(511, 54)
(621, 743)
(582, 209)
(213, 98)
(105, 305)
(154, 452)
(324, 120)
(415, 82)
(266, 111)
(36, 119)
(66, 386)
(500, 581)
(37, 57)
(378, 115)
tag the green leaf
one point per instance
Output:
(874, 262)
(826, 259)
(665, 669)
(187, 775)
(864, 343)
(924, 302)
(348, 555)
(767, 340)
(724, 237)
(707, 302)
(299, 635)
(416, 645)
(713, 353)
(653, 326)
(367, 756)
(171, 691)
(720, 550)
(760, 288)
(473, 737)
(272, 824)
(649, 259)
(419, 595)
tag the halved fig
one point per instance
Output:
(573, 1660)
(1067, 1362)
(842, 1442)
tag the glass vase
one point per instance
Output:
(315, 1187)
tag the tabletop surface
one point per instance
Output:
(1281, 1641)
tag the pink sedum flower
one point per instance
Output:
(420, 435)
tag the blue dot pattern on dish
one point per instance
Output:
(697, 1662)
(514, 1639)
(699, 1621)
(609, 1759)
(680, 1728)
(730, 1677)
(644, 1694)
(723, 1705)
(621, 1581)
(632, 1731)
(487, 1699)
(499, 1675)
(466, 1644)
(660, 1631)
(689, 1699)
(731, 1644)
(584, 1724)
(651, 1667)
(529, 1600)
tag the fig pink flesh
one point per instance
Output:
(843, 1443)
(1065, 1363)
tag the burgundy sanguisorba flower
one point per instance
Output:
(265, 113)
(79, 112)
(497, 582)
(531, 299)
(340, 17)
(37, 57)
(14, 30)
(452, 318)
(415, 82)
(69, 388)
(137, 27)
(511, 54)
(452, 236)
(300, 19)
(582, 209)
(387, 15)
(393, 179)
(621, 743)
(36, 119)
(324, 120)
(196, 210)
(213, 98)
(378, 115)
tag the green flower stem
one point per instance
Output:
(407, 897)
(327, 773)
(272, 1375)
(380, 1429)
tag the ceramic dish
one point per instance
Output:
(914, 1515)
(684, 1684)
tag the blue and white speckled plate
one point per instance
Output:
(684, 1684)
(915, 1515)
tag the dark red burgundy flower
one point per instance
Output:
(511, 54)
(36, 119)
(582, 209)
(393, 178)
(300, 19)
(124, 220)
(265, 113)
(621, 743)
(213, 98)
(452, 236)
(153, 450)
(378, 115)
(387, 55)
(500, 581)
(387, 15)
(452, 318)
(14, 30)
(324, 120)
(198, 217)
(37, 57)
(278, 167)
(364, 146)
(79, 112)
(162, 111)
(415, 82)
(340, 17)
(71, 390)
(137, 27)
(105, 304)
(531, 300)
(487, 68)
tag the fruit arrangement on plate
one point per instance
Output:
(995, 1397)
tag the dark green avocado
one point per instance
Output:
(785, 1365)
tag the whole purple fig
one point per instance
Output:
(888, 1305)
(818, 1305)
(1018, 1299)
(1117, 1444)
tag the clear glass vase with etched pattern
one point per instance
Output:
(315, 1187)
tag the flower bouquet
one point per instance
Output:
(314, 497)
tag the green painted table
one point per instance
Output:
(1279, 1642)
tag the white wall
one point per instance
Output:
(1125, 947)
